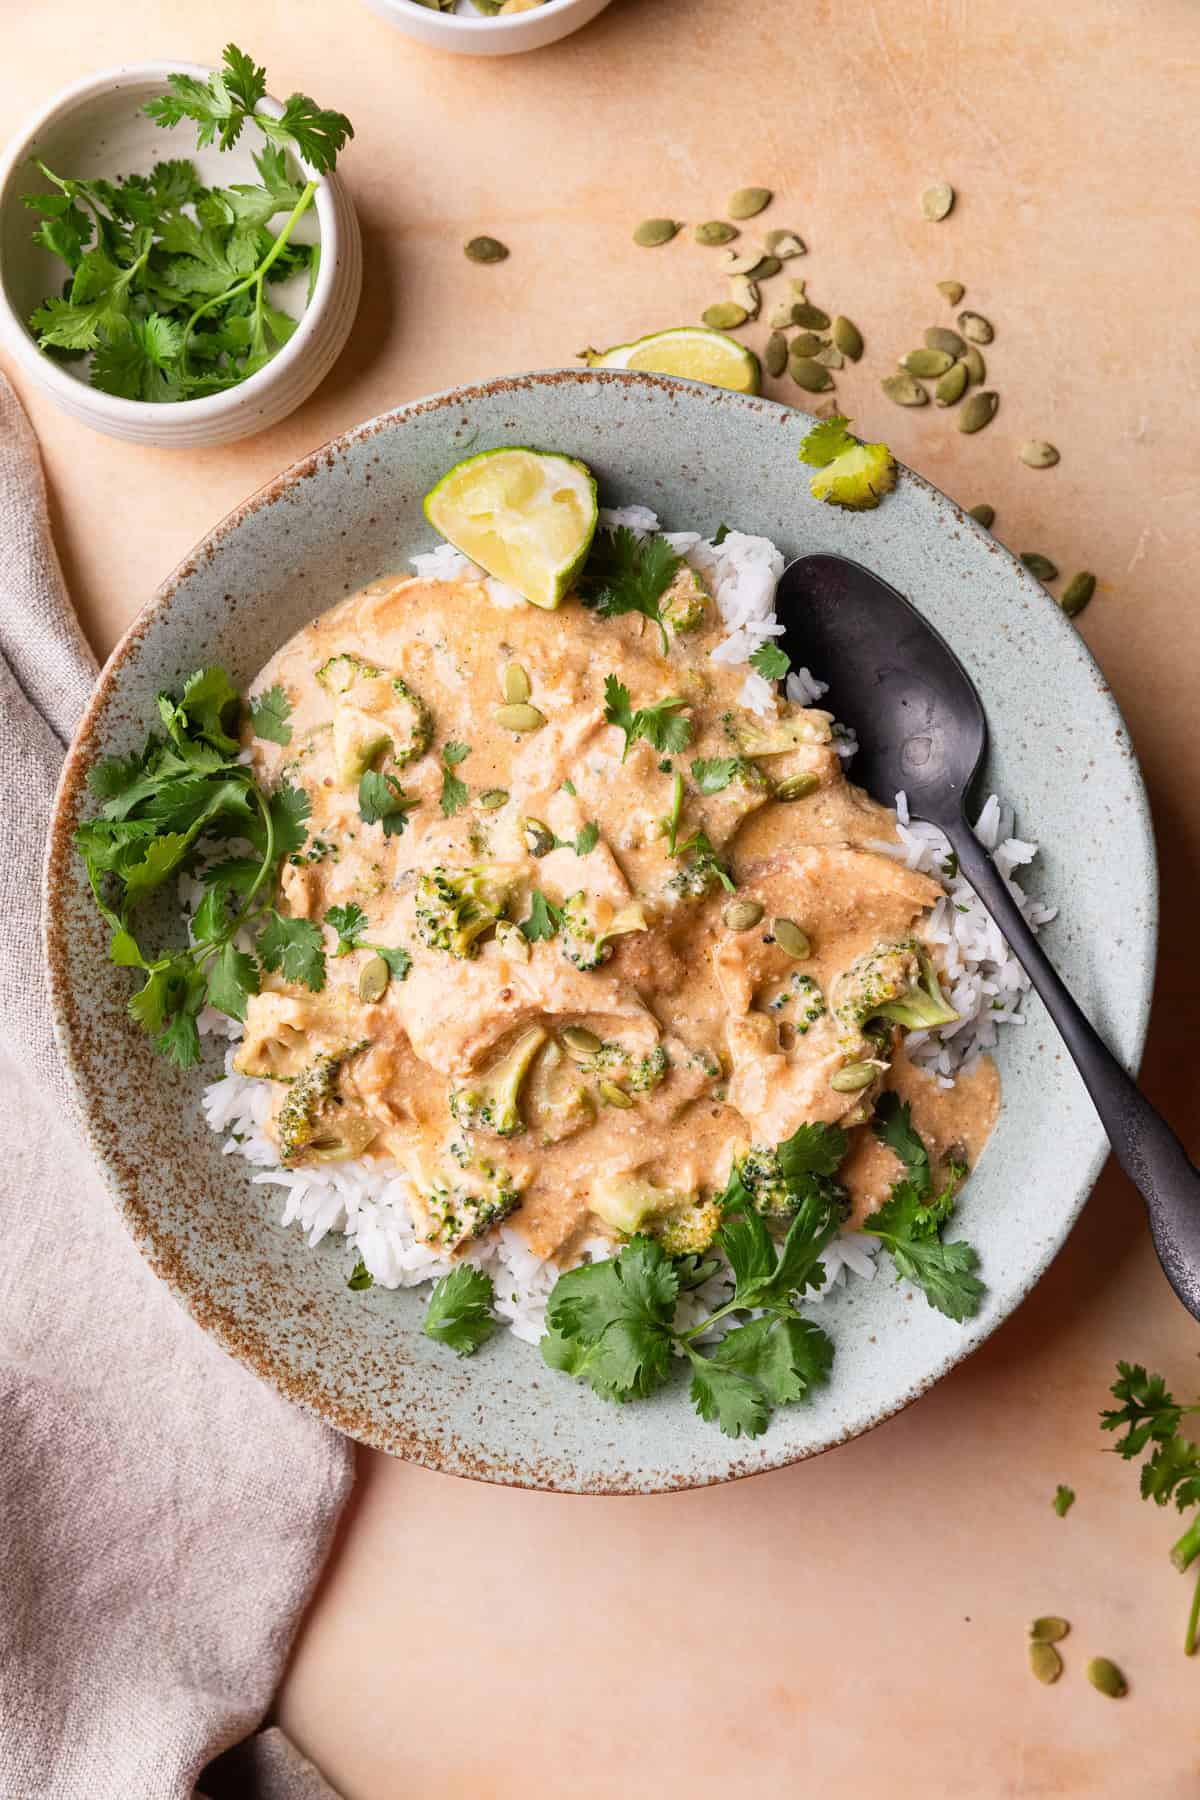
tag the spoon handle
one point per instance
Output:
(1143, 1143)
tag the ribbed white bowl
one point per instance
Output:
(475, 34)
(97, 128)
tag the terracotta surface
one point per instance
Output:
(854, 1626)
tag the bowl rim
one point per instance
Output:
(113, 407)
(451, 22)
(257, 1352)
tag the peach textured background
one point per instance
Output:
(852, 1627)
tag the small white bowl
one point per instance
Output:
(476, 34)
(97, 128)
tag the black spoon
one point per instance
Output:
(921, 728)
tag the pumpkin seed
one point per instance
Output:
(807, 343)
(514, 684)
(904, 390)
(784, 245)
(745, 294)
(791, 939)
(615, 1096)
(797, 787)
(847, 337)
(1036, 453)
(983, 514)
(373, 980)
(776, 354)
(1107, 1678)
(811, 317)
(975, 366)
(940, 337)
(829, 358)
(764, 268)
(493, 798)
(733, 264)
(512, 941)
(952, 386)
(579, 1042)
(740, 915)
(519, 718)
(1077, 593)
(975, 327)
(809, 375)
(1039, 565)
(539, 839)
(780, 316)
(1045, 1662)
(952, 291)
(978, 410)
(852, 1077)
(655, 231)
(927, 362)
(748, 202)
(937, 200)
(485, 250)
(724, 316)
(715, 231)
(1048, 1630)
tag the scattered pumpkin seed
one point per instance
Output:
(797, 787)
(485, 250)
(797, 287)
(937, 200)
(975, 366)
(519, 718)
(748, 202)
(809, 375)
(740, 915)
(776, 354)
(952, 291)
(904, 389)
(514, 684)
(780, 316)
(715, 231)
(927, 362)
(615, 1096)
(733, 264)
(765, 268)
(579, 1042)
(1107, 1678)
(978, 410)
(791, 939)
(373, 980)
(807, 343)
(1077, 593)
(975, 327)
(811, 317)
(983, 514)
(745, 294)
(1049, 1630)
(1045, 1662)
(953, 385)
(1036, 453)
(539, 839)
(1039, 565)
(655, 231)
(852, 1077)
(847, 337)
(784, 245)
(724, 316)
(492, 798)
(829, 357)
(940, 337)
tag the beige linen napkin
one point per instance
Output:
(163, 1515)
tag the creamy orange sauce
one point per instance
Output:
(740, 1070)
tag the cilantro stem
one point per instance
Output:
(265, 867)
(1185, 1552)
(1193, 1624)
(256, 275)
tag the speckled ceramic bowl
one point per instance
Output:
(1060, 754)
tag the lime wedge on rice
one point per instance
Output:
(526, 516)
(692, 351)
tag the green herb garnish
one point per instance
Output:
(544, 918)
(626, 574)
(711, 774)
(661, 724)
(910, 1222)
(1064, 1500)
(351, 923)
(455, 793)
(382, 801)
(360, 1277)
(1149, 1418)
(771, 662)
(269, 716)
(460, 1310)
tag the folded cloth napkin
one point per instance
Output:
(163, 1514)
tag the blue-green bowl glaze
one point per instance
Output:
(699, 456)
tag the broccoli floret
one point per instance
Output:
(493, 1102)
(373, 710)
(774, 737)
(804, 995)
(457, 1209)
(684, 606)
(690, 1230)
(455, 910)
(584, 942)
(641, 1073)
(701, 875)
(894, 981)
(683, 1223)
(314, 1121)
(849, 473)
(776, 1194)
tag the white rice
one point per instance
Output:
(367, 1201)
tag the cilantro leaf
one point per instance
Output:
(893, 1126)
(725, 1394)
(771, 662)
(787, 1356)
(943, 1272)
(712, 774)
(826, 442)
(317, 133)
(460, 1314)
(454, 753)
(620, 1312)
(455, 793)
(1149, 1411)
(360, 1277)
(544, 918)
(349, 922)
(1173, 1473)
(232, 978)
(627, 574)
(1064, 1500)
(269, 716)
(293, 948)
(397, 960)
(382, 801)
(909, 1223)
(586, 838)
(142, 360)
(660, 724)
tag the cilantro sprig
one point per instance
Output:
(167, 279)
(627, 574)
(351, 924)
(455, 793)
(910, 1222)
(459, 1313)
(660, 724)
(1149, 1417)
(160, 811)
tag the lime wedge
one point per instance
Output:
(690, 350)
(526, 516)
